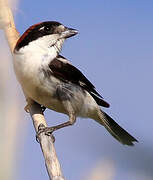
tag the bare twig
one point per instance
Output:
(47, 146)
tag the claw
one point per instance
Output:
(29, 103)
(26, 108)
(46, 130)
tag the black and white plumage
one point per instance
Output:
(66, 72)
(52, 81)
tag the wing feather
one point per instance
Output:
(63, 70)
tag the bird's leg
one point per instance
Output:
(49, 130)
(72, 118)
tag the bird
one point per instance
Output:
(51, 80)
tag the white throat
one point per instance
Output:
(50, 44)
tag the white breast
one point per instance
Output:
(28, 63)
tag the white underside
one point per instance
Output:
(28, 63)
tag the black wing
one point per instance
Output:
(66, 72)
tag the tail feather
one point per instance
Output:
(117, 131)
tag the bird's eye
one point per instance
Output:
(47, 28)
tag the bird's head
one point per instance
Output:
(45, 34)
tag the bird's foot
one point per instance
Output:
(46, 130)
(29, 103)
(26, 108)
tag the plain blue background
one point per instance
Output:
(114, 49)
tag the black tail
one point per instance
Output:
(116, 131)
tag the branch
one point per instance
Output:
(46, 143)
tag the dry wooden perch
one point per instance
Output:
(46, 143)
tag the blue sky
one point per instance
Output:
(114, 49)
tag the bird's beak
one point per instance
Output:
(68, 32)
